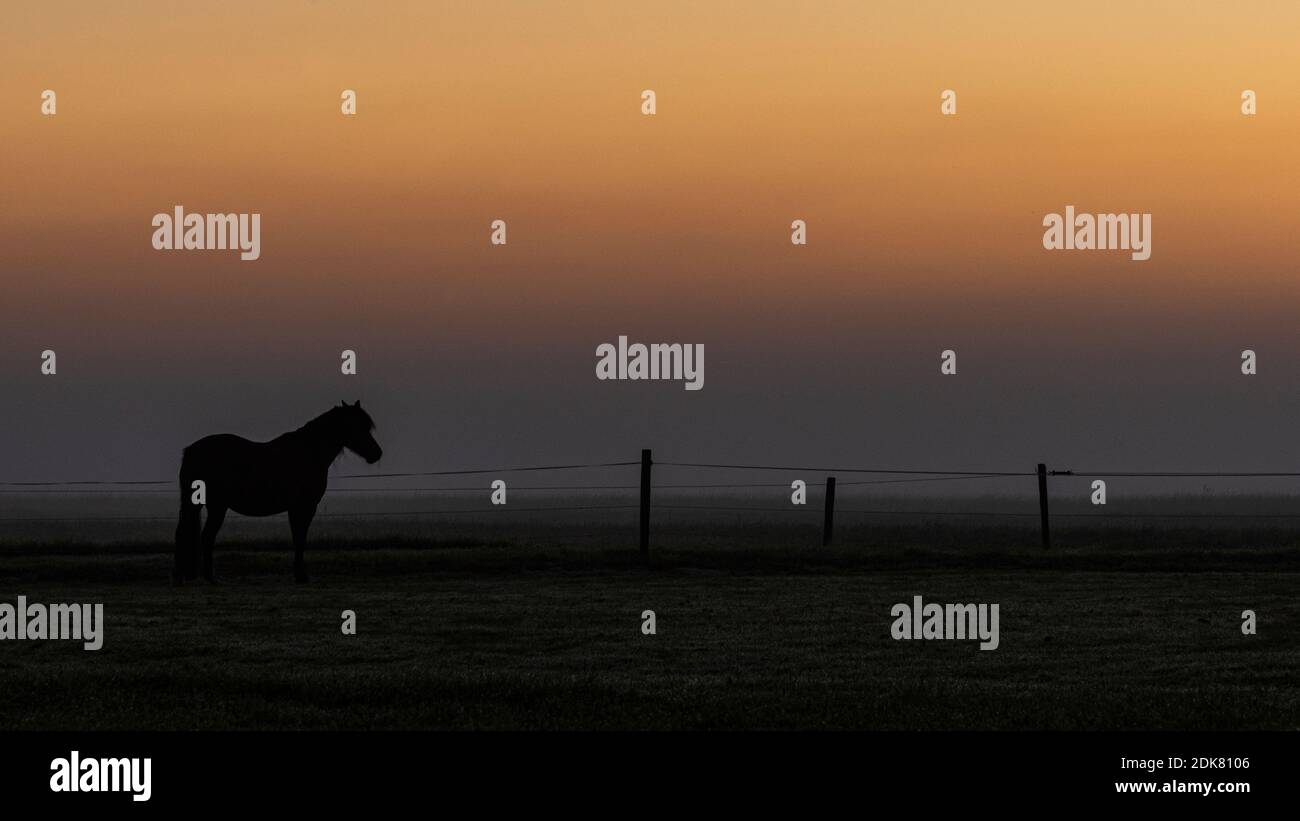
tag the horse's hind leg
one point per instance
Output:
(299, 521)
(216, 515)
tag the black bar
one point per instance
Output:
(1013, 769)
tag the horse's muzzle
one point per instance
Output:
(379, 453)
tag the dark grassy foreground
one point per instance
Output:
(467, 634)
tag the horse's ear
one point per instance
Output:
(357, 403)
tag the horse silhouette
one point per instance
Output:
(288, 473)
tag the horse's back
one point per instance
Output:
(219, 440)
(221, 447)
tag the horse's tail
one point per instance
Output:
(187, 530)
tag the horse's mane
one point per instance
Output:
(337, 419)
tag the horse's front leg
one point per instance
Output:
(299, 520)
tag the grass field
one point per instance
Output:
(537, 625)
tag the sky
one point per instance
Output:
(924, 231)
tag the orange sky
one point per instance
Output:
(768, 112)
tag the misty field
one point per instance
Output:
(534, 622)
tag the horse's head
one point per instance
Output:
(358, 432)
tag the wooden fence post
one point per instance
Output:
(1042, 505)
(828, 520)
(645, 503)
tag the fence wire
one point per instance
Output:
(134, 487)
